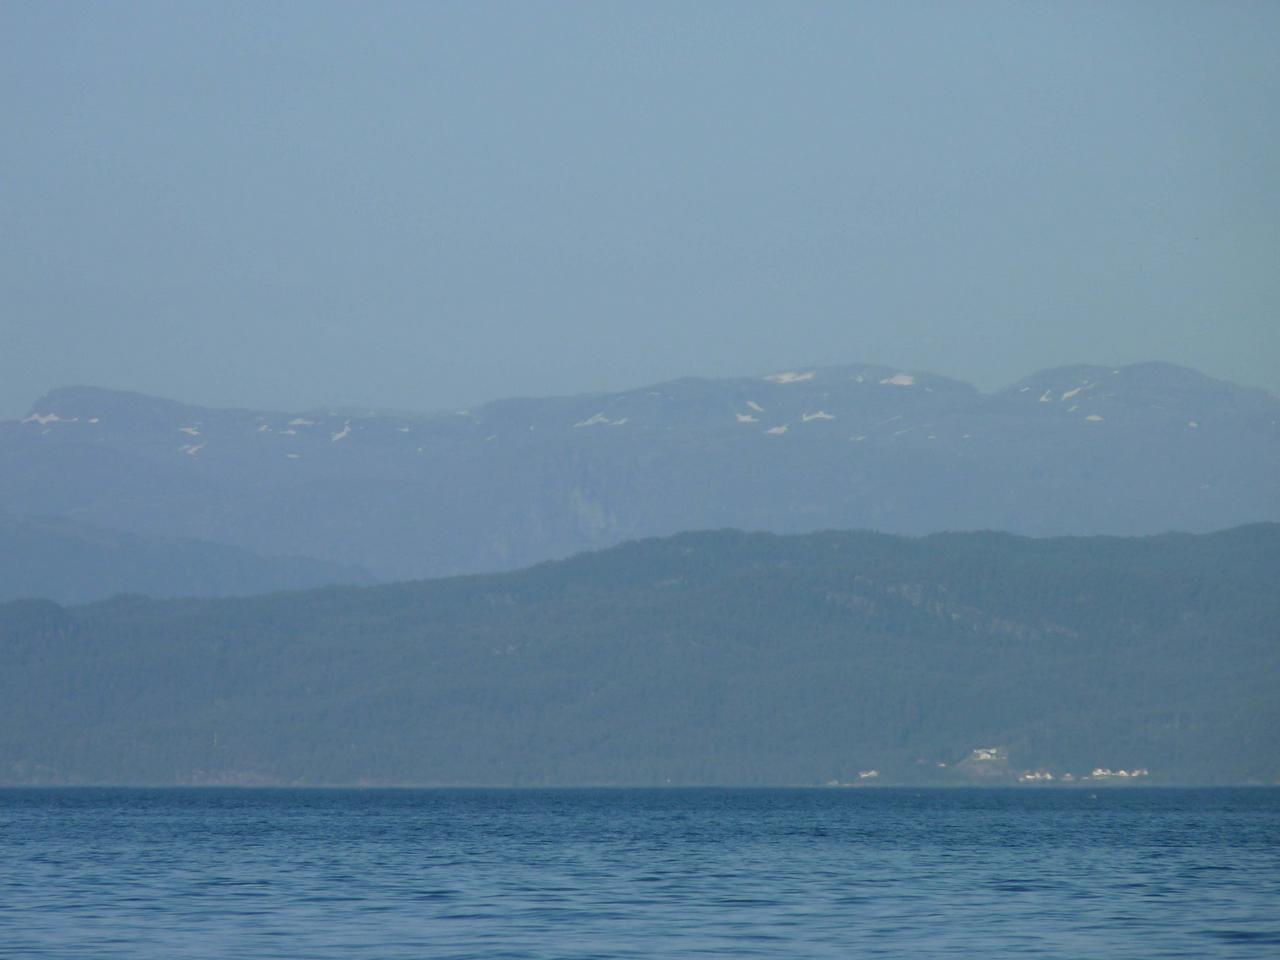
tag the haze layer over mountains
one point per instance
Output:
(1071, 451)
(1102, 650)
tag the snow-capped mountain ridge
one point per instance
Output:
(1081, 449)
(861, 388)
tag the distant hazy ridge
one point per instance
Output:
(704, 658)
(1077, 450)
(75, 563)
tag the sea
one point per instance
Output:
(316, 874)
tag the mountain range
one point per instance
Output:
(1072, 451)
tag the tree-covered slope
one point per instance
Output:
(716, 657)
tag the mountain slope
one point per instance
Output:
(74, 563)
(703, 658)
(1079, 450)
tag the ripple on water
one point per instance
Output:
(397, 875)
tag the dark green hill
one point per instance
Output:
(716, 657)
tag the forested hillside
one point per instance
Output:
(710, 658)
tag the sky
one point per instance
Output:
(426, 205)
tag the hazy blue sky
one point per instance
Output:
(421, 205)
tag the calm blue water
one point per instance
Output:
(635, 873)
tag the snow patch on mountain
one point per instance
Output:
(44, 419)
(790, 376)
(600, 419)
